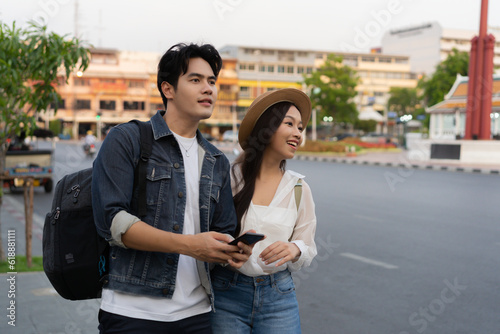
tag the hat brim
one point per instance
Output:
(263, 102)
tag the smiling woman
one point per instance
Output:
(267, 201)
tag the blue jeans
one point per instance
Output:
(259, 305)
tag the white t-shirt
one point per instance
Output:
(189, 298)
(282, 221)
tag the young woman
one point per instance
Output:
(260, 296)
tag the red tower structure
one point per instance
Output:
(477, 119)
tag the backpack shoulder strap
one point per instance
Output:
(146, 138)
(298, 192)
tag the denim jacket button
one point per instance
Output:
(181, 194)
(176, 227)
(176, 165)
(164, 291)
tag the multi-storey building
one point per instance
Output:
(262, 69)
(119, 86)
(115, 88)
(428, 44)
(377, 73)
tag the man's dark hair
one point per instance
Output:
(175, 62)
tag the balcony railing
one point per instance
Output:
(224, 96)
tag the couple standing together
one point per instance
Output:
(173, 270)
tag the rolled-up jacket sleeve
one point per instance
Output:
(304, 230)
(113, 183)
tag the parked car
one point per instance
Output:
(342, 136)
(230, 135)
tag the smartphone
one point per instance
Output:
(248, 238)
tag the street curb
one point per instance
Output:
(460, 169)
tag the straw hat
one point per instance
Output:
(295, 96)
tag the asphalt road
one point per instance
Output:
(402, 251)
(399, 250)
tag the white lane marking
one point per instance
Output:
(369, 261)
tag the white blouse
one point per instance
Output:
(281, 221)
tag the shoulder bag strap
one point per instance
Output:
(146, 137)
(298, 193)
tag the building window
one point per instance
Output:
(107, 105)
(350, 61)
(281, 69)
(320, 56)
(133, 105)
(135, 84)
(401, 60)
(289, 69)
(368, 59)
(394, 75)
(384, 60)
(378, 94)
(270, 68)
(82, 82)
(302, 54)
(300, 69)
(267, 52)
(244, 92)
(251, 67)
(262, 68)
(286, 56)
(82, 104)
(61, 104)
(243, 67)
(309, 70)
(104, 59)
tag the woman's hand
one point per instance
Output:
(280, 251)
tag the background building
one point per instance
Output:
(428, 44)
(378, 73)
(448, 117)
(115, 88)
(119, 86)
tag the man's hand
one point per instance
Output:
(282, 251)
(212, 247)
(241, 256)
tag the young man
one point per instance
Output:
(158, 282)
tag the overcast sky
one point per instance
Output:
(329, 25)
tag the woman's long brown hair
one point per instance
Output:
(250, 160)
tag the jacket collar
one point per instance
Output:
(161, 129)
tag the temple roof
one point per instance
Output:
(456, 99)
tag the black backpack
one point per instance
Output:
(75, 257)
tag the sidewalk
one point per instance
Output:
(402, 159)
(40, 310)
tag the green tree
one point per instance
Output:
(403, 100)
(332, 89)
(30, 59)
(440, 82)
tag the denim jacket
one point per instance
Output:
(154, 273)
